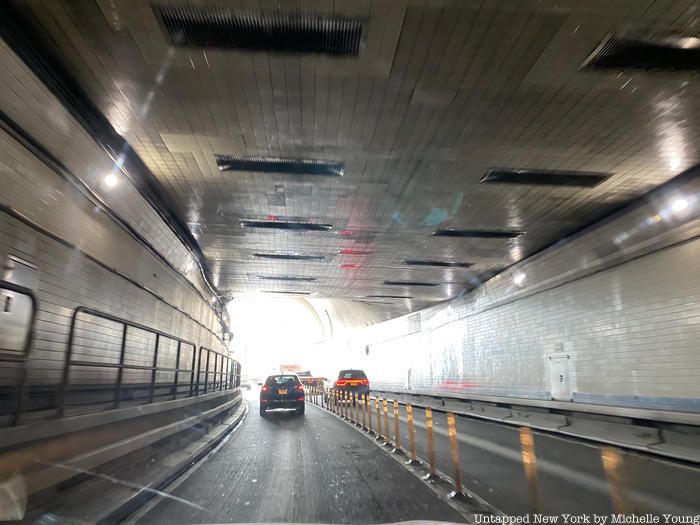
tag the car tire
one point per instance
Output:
(301, 410)
(263, 412)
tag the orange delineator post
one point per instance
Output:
(386, 422)
(452, 432)
(411, 435)
(431, 440)
(368, 402)
(527, 448)
(379, 418)
(397, 440)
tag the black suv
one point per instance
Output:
(282, 391)
(352, 382)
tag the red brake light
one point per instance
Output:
(300, 388)
(264, 388)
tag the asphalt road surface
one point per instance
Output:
(570, 471)
(302, 469)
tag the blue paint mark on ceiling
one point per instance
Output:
(435, 217)
(458, 203)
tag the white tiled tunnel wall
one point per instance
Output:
(122, 279)
(630, 329)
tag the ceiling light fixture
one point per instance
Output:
(519, 278)
(111, 180)
(679, 205)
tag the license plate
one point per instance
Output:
(282, 391)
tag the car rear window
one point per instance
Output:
(352, 374)
(281, 380)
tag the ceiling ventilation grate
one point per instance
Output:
(668, 54)
(441, 264)
(286, 292)
(289, 257)
(286, 225)
(409, 283)
(478, 234)
(287, 278)
(289, 166)
(543, 177)
(385, 296)
(247, 30)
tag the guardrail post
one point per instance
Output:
(193, 370)
(397, 437)
(216, 368)
(431, 444)
(527, 448)
(385, 407)
(206, 373)
(612, 463)
(454, 448)
(120, 370)
(177, 369)
(153, 372)
(411, 436)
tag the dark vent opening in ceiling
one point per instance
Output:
(478, 234)
(287, 292)
(287, 278)
(441, 264)
(543, 177)
(289, 257)
(327, 168)
(409, 283)
(272, 31)
(669, 54)
(286, 225)
(385, 296)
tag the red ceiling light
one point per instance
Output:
(272, 217)
(345, 232)
(351, 251)
(350, 266)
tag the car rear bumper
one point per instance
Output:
(359, 390)
(281, 403)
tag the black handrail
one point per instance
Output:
(121, 366)
(219, 373)
(21, 383)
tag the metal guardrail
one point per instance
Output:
(192, 387)
(17, 392)
(624, 428)
(358, 410)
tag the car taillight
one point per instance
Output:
(341, 382)
(300, 388)
(263, 389)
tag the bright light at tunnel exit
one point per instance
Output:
(274, 331)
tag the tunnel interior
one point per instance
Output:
(453, 225)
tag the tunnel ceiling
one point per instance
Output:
(389, 153)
